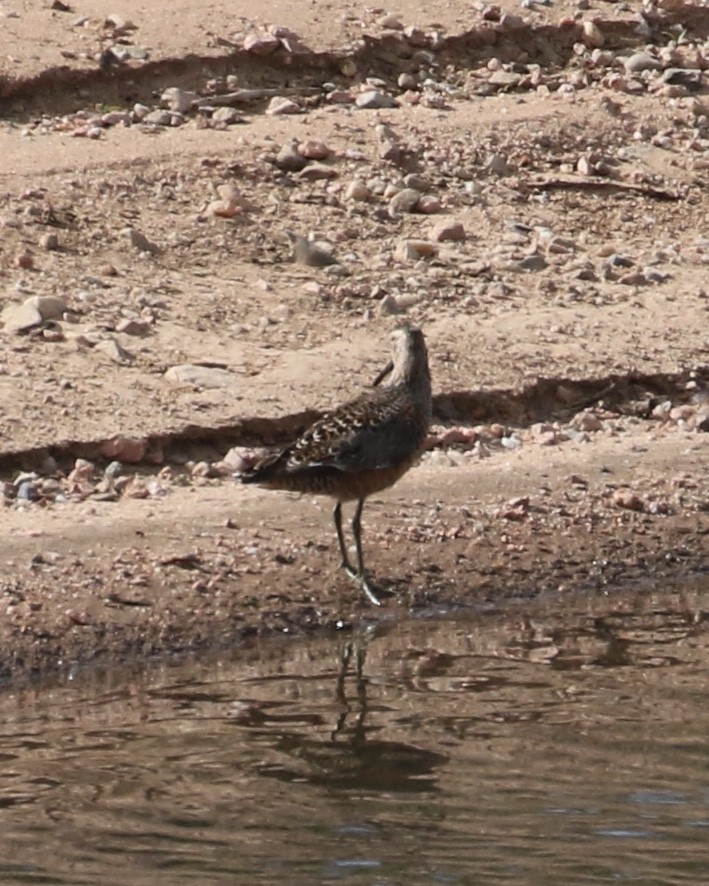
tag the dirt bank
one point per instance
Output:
(530, 191)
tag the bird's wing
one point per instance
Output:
(365, 434)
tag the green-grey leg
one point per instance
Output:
(361, 575)
(346, 565)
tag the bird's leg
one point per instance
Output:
(361, 575)
(346, 565)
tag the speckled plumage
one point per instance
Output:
(363, 446)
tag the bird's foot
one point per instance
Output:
(363, 582)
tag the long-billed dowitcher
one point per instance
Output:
(361, 447)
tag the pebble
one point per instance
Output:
(130, 450)
(50, 307)
(238, 458)
(315, 150)
(317, 172)
(511, 442)
(357, 190)
(128, 326)
(406, 81)
(158, 118)
(428, 205)
(177, 99)
(27, 491)
(140, 241)
(310, 254)
(391, 23)
(587, 421)
(261, 43)
(200, 376)
(413, 250)
(289, 158)
(535, 262)
(592, 35)
(280, 105)
(114, 351)
(226, 115)
(20, 318)
(24, 260)
(373, 99)
(497, 164)
(448, 230)
(629, 501)
(116, 118)
(642, 61)
(416, 37)
(50, 242)
(405, 200)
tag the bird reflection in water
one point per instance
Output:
(349, 756)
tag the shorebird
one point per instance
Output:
(361, 447)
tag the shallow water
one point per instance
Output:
(542, 745)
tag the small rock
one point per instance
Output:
(115, 118)
(629, 501)
(307, 253)
(448, 230)
(50, 307)
(504, 79)
(317, 172)
(53, 333)
(592, 35)
(535, 262)
(226, 115)
(290, 158)
(373, 99)
(415, 36)
(114, 351)
(315, 150)
(24, 260)
(413, 250)
(405, 200)
(238, 458)
(428, 205)
(50, 242)
(390, 150)
(685, 412)
(128, 326)
(177, 99)
(406, 81)
(140, 241)
(390, 22)
(641, 61)
(261, 43)
(280, 105)
(27, 491)
(357, 190)
(113, 470)
(389, 306)
(158, 118)
(20, 318)
(497, 164)
(130, 450)
(200, 376)
(587, 421)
